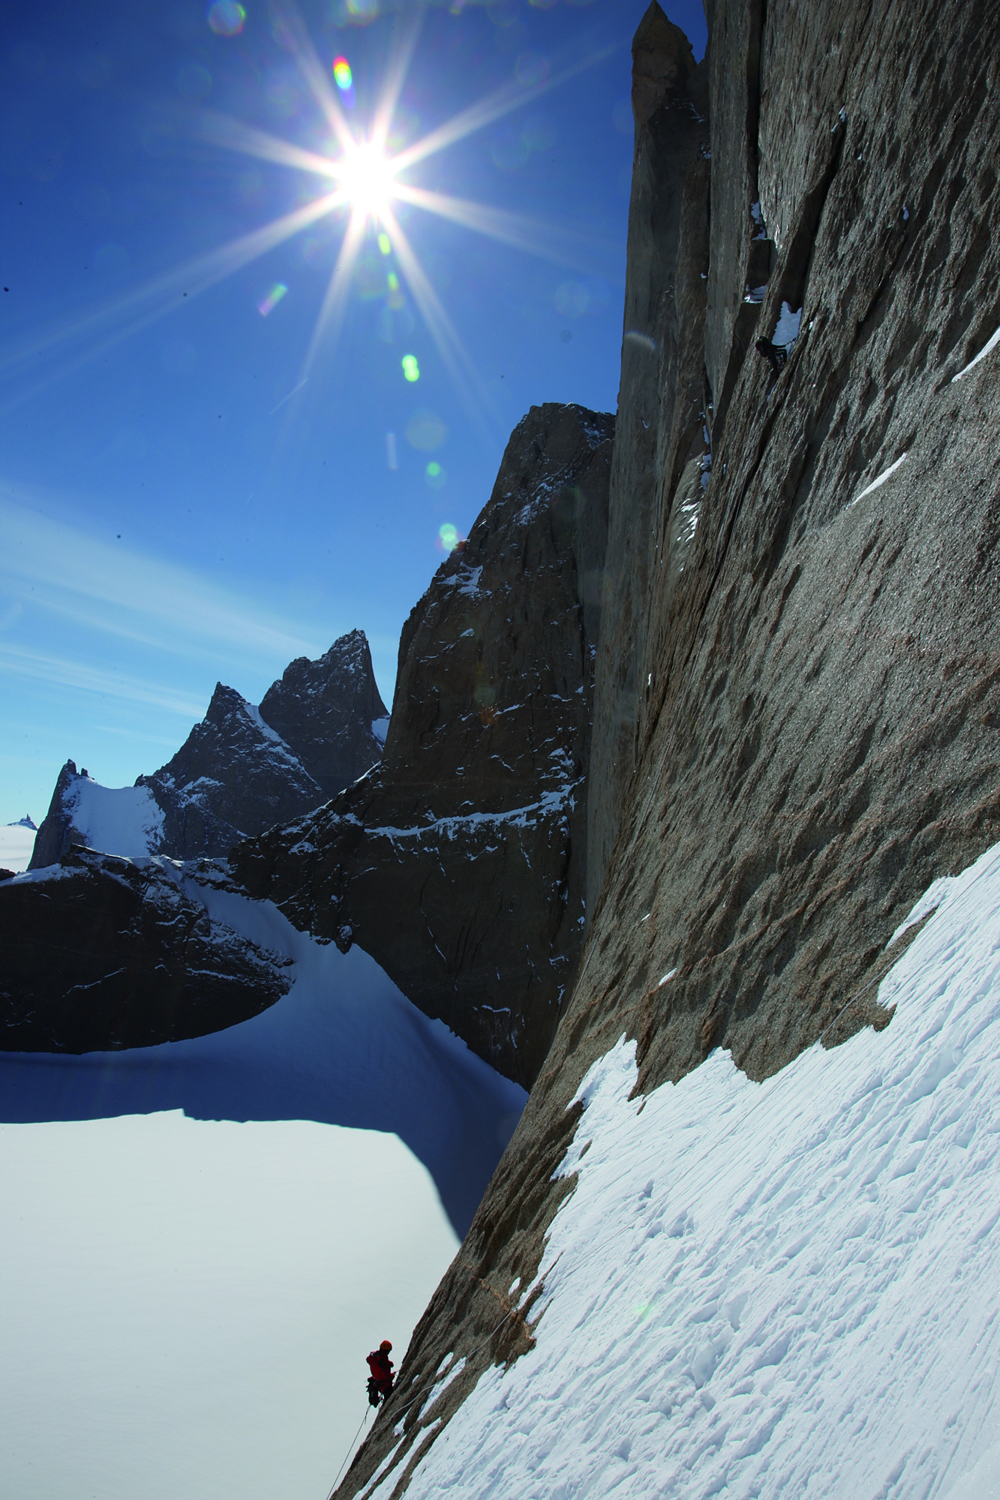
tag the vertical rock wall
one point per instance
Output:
(671, 135)
(797, 705)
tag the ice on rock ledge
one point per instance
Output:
(787, 328)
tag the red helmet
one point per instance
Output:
(385, 1345)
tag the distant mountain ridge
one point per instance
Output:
(241, 769)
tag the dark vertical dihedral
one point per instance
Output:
(669, 102)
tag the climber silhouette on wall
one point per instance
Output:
(775, 354)
(380, 1379)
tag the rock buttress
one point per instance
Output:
(102, 953)
(458, 863)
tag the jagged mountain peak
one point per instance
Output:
(324, 710)
(239, 771)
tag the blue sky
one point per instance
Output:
(196, 477)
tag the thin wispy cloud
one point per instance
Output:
(124, 592)
(67, 672)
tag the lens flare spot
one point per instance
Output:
(448, 537)
(571, 300)
(575, 298)
(250, 187)
(384, 243)
(435, 475)
(538, 133)
(363, 10)
(369, 278)
(411, 369)
(226, 18)
(194, 80)
(425, 431)
(281, 92)
(312, 249)
(268, 303)
(509, 150)
(344, 80)
(531, 69)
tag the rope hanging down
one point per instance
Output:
(413, 1401)
(350, 1450)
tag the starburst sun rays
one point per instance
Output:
(363, 178)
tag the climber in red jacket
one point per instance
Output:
(380, 1379)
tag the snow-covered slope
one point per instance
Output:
(122, 820)
(787, 1289)
(186, 1303)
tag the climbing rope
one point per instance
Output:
(350, 1450)
(413, 1401)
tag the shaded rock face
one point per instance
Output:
(233, 775)
(815, 729)
(136, 962)
(324, 711)
(458, 863)
(240, 771)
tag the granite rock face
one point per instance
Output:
(136, 962)
(458, 863)
(797, 703)
(240, 771)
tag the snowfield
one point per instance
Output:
(787, 1290)
(185, 1305)
(201, 1241)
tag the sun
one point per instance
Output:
(367, 179)
(357, 172)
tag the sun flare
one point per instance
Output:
(362, 176)
(367, 178)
